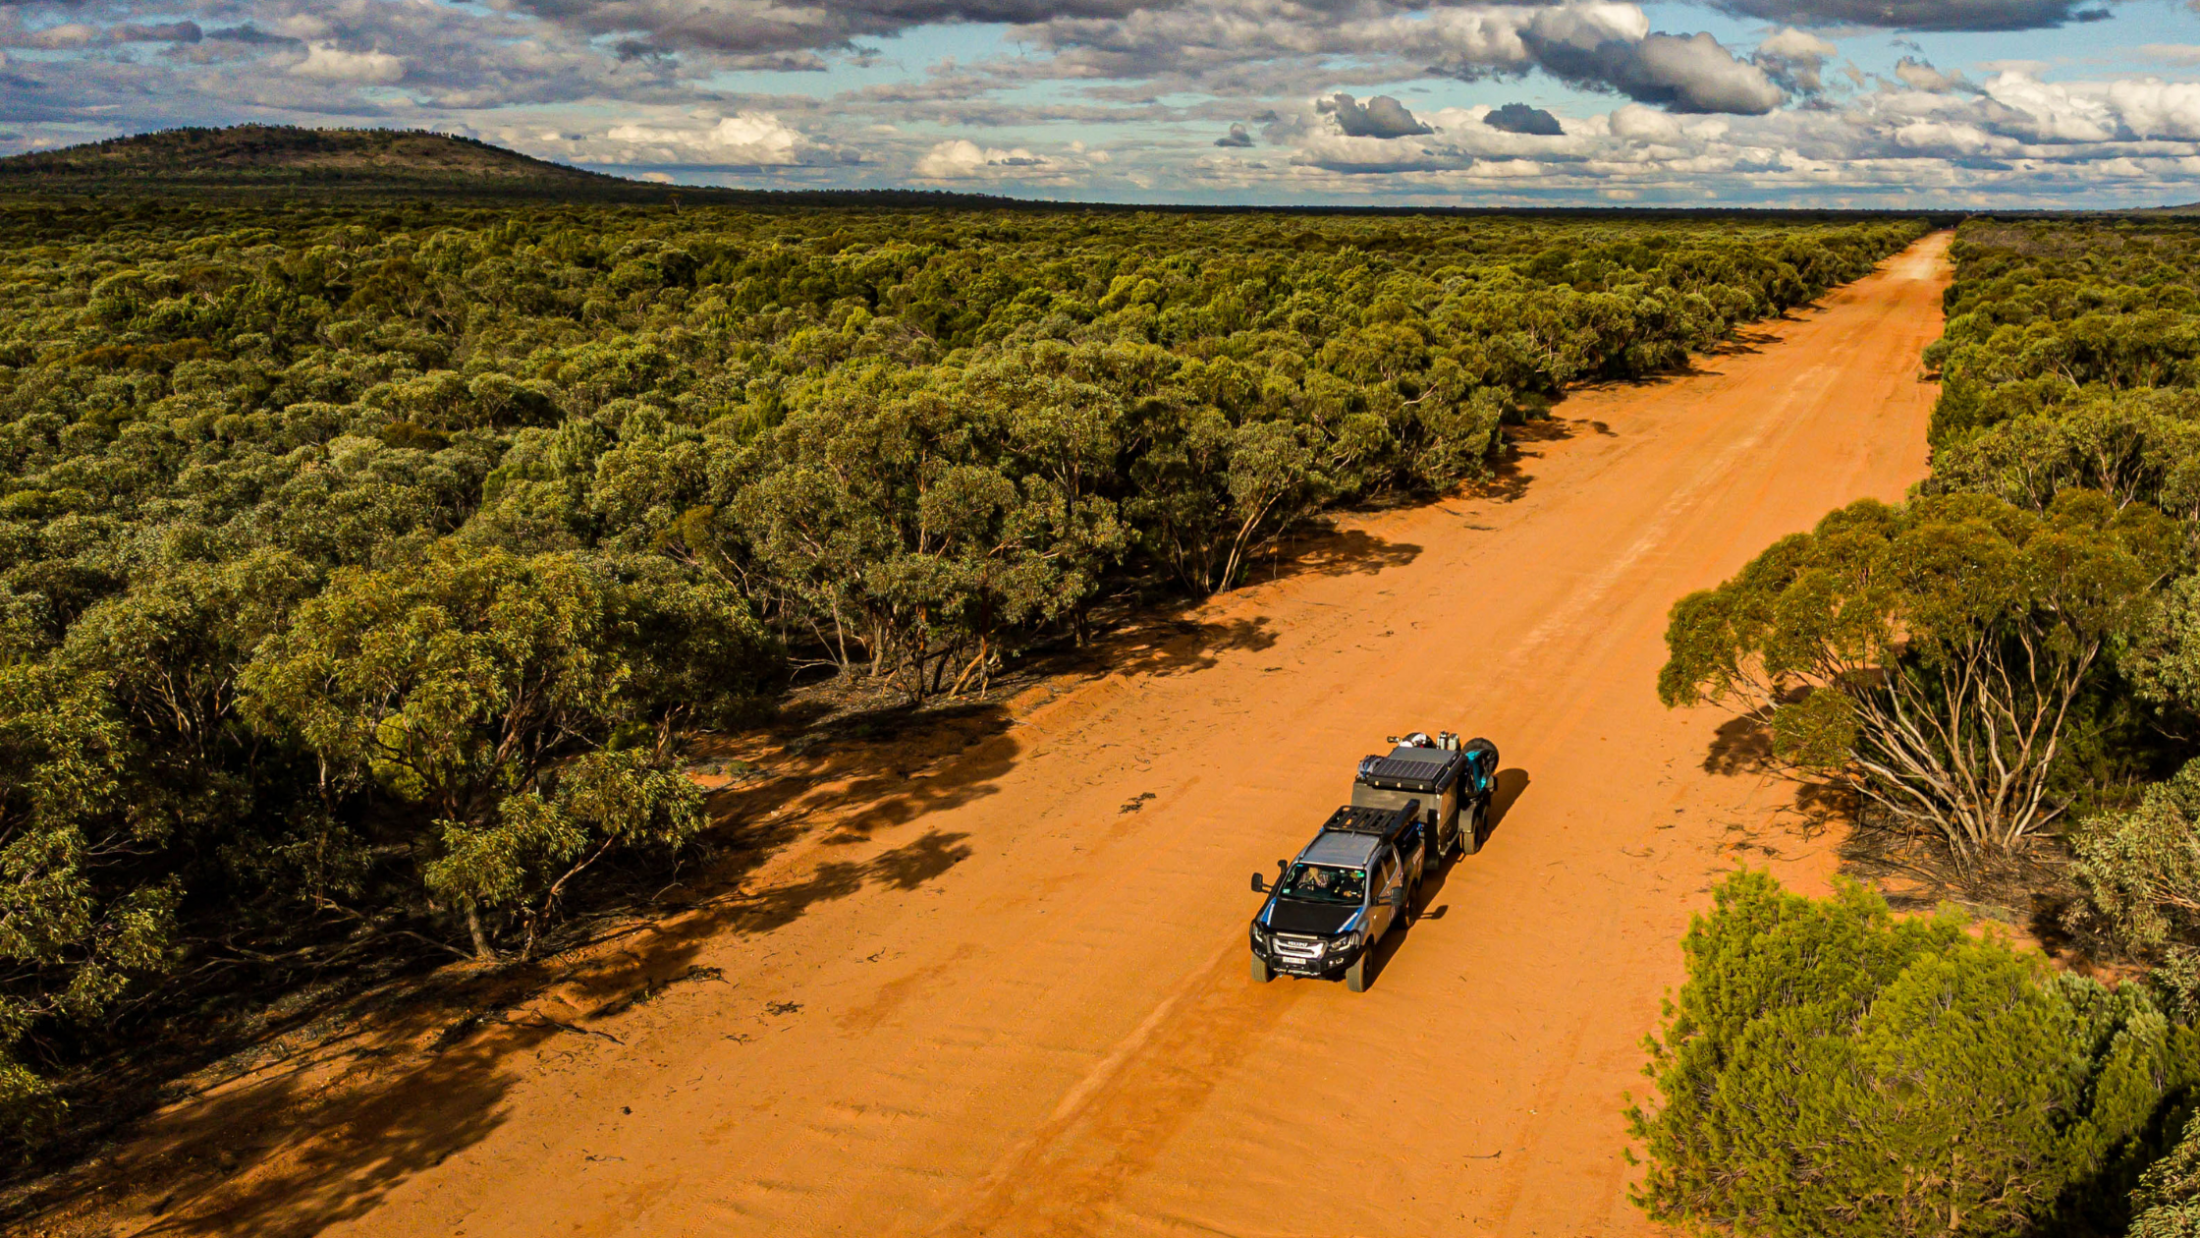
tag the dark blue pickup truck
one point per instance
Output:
(1361, 875)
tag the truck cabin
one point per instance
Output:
(1336, 866)
(1333, 869)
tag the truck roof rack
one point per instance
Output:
(1381, 822)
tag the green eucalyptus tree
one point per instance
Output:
(1927, 657)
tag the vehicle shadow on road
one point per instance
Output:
(1511, 784)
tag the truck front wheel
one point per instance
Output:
(1262, 973)
(1355, 976)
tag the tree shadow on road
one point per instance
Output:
(1508, 479)
(367, 1136)
(1742, 745)
(1161, 646)
(1334, 552)
(371, 1139)
(411, 1073)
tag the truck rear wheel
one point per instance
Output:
(1262, 973)
(1355, 976)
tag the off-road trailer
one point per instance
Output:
(1450, 780)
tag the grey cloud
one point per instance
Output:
(77, 36)
(1919, 14)
(1238, 135)
(1520, 118)
(161, 32)
(1417, 161)
(1380, 117)
(248, 34)
(1691, 74)
(754, 27)
(1248, 48)
(450, 58)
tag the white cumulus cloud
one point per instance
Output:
(2156, 109)
(750, 140)
(326, 62)
(962, 159)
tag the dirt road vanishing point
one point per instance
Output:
(1007, 994)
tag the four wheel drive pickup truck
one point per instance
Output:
(1361, 876)
(1351, 885)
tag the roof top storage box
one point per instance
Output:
(1413, 769)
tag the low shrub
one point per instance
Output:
(1828, 1069)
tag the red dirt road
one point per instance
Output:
(1010, 996)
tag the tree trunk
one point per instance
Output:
(482, 949)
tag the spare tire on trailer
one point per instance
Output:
(1478, 819)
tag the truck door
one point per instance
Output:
(1388, 877)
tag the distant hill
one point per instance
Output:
(249, 161)
(277, 156)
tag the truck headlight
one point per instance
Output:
(1345, 944)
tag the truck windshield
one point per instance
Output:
(1320, 883)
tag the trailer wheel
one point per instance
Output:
(1262, 973)
(1355, 976)
(1470, 827)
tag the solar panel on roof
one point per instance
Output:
(1349, 850)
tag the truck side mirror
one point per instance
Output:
(1396, 898)
(1259, 886)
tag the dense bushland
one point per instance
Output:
(361, 569)
(2009, 662)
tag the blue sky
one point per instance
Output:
(1885, 103)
